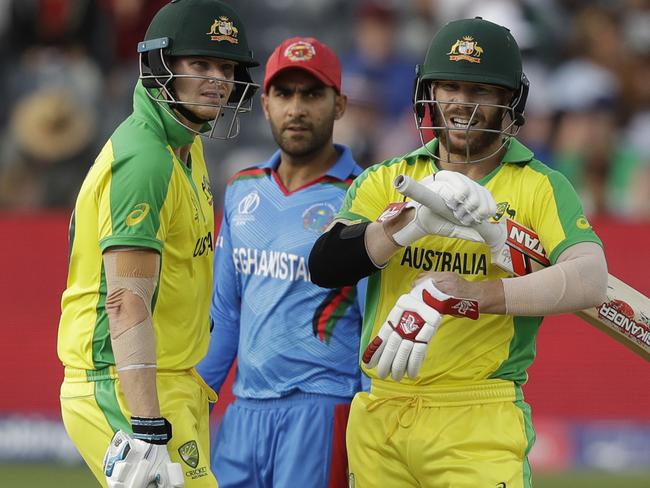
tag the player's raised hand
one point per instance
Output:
(470, 202)
(132, 463)
(427, 222)
(427, 193)
(401, 344)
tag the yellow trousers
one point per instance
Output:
(477, 435)
(94, 408)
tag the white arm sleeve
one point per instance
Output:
(578, 280)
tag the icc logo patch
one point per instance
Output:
(189, 453)
(318, 217)
(246, 207)
(249, 203)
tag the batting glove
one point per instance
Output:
(131, 462)
(401, 344)
(470, 202)
(427, 222)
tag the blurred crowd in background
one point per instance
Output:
(68, 69)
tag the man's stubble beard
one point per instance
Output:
(479, 140)
(317, 138)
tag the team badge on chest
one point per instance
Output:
(318, 217)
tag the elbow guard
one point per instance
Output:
(339, 257)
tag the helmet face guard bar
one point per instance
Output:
(420, 105)
(160, 77)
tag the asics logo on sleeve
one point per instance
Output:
(138, 214)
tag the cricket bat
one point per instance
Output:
(625, 316)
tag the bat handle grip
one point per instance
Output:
(492, 235)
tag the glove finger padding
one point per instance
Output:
(401, 343)
(398, 368)
(416, 359)
(385, 364)
(376, 347)
(427, 222)
(132, 463)
(391, 340)
(409, 322)
(470, 201)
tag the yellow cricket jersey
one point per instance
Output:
(494, 346)
(137, 193)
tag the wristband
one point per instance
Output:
(152, 430)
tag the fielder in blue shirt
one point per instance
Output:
(296, 344)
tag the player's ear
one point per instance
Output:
(341, 104)
(265, 105)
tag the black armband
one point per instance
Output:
(339, 257)
(151, 430)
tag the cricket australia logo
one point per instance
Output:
(207, 191)
(246, 207)
(465, 49)
(503, 208)
(222, 29)
(190, 453)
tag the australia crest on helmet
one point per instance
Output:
(223, 29)
(465, 49)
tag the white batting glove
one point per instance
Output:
(470, 202)
(132, 463)
(427, 222)
(401, 344)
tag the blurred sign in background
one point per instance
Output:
(68, 68)
(590, 395)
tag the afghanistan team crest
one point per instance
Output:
(466, 49)
(222, 29)
(300, 51)
(189, 453)
(318, 217)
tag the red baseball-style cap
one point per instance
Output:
(305, 53)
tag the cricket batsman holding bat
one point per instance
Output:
(446, 407)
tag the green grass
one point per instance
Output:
(591, 479)
(56, 476)
(46, 476)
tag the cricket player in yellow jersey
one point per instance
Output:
(135, 314)
(446, 408)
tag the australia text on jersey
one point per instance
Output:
(432, 260)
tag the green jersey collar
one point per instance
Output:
(515, 153)
(164, 123)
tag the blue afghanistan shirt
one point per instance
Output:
(288, 334)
